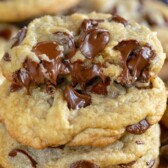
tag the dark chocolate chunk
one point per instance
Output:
(14, 152)
(151, 163)
(67, 41)
(48, 48)
(88, 24)
(119, 19)
(6, 33)
(127, 165)
(100, 87)
(53, 69)
(82, 74)
(92, 40)
(20, 79)
(83, 164)
(34, 70)
(76, 100)
(135, 61)
(138, 128)
(7, 57)
(19, 37)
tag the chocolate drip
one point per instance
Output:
(92, 39)
(19, 37)
(83, 164)
(76, 100)
(135, 60)
(14, 152)
(119, 19)
(138, 128)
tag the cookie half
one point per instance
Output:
(135, 151)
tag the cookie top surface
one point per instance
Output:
(113, 47)
(18, 10)
(72, 76)
(133, 150)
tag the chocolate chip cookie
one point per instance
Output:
(135, 151)
(18, 10)
(81, 80)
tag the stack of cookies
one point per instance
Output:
(81, 91)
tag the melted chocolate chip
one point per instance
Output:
(83, 164)
(135, 60)
(34, 70)
(76, 100)
(88, 24)
(138, 128)
(67, 41)
(100, 87)
(7, 57)
(119, 19)
(53, 69)
(92, 40)
(14, 152)
(151, 163)
(128, 165)
(6, 33)
(48, 48)
(82, 74)
(19, 37)
(20, 79)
